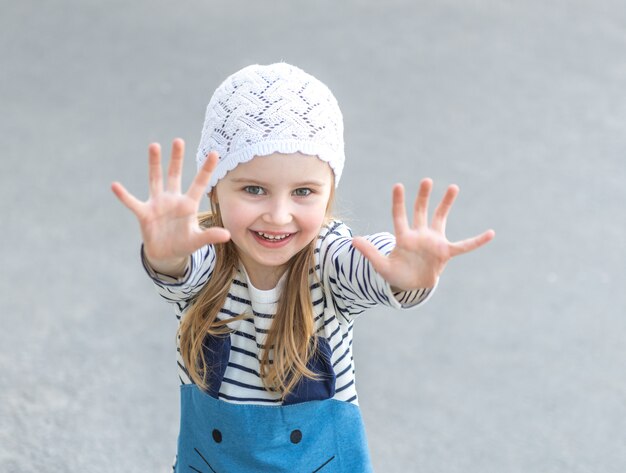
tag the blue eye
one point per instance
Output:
(302, 192)
(254, 190)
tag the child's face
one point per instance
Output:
(273, 207)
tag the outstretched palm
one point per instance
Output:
(422, 250)
(168, 219)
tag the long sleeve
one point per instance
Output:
(180, 291)
(354, 284)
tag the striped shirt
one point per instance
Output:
(343, 286)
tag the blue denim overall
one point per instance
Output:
(309, 433)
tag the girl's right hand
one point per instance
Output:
(169, 218)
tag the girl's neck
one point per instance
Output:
(264, 278)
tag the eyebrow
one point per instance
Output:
(312, 183)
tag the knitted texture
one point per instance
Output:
(279, 108)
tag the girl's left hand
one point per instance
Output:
(422, 250)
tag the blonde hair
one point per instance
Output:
(291, 341)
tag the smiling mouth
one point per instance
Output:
(272, 241)
(273, 237)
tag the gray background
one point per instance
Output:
(516, 364)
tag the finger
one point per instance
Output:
(129, 200)
(210, 236)
(155, 174)
(471, 244)
(371, 253)
(440, 216)
(201, 181)
(420, 208)
(398, 210)
(175, 167)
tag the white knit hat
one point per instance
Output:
(261, 110)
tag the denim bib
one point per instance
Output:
(309, 433)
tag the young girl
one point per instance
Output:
(266, 286)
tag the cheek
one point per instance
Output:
(313, 218)
(234, 219)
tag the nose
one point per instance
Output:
(278, 212)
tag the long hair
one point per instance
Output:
(291, 340)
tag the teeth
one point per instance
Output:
(273, 237)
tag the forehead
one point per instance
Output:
(286, 168)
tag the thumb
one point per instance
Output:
(130, 201)
(371, 253)
(210, 236)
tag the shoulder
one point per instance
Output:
(334, 229)
(333, 236)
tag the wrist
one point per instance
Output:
(173, 267)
